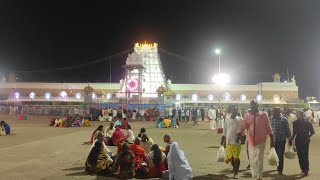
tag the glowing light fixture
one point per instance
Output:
(32, 95)
(194, 97)
(259, 97)
(227, 96)
(178, 97)
(16, 95)
(276, 98)
(93, 95)
(210, 97)
(63, 94)
(78, 95)
(109, 96)
(221, 79)
(243, 97)
(47, 95)
(217, 51)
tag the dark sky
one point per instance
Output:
(258, 38)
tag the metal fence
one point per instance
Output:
(40, 110)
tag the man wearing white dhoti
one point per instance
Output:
(258, 129)
(212, 118)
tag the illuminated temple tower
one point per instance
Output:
(143, 73)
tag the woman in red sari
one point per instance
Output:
(149, 114)
(156, 162)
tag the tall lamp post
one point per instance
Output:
(218, 52)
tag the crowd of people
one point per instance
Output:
(136, 156)
(141, 157)
(148, 114)
(255, 126)
(70, 121)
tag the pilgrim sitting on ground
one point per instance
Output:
(6, 127)
(99, 161)
(125, 164)
(156, 162)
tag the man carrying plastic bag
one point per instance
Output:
(281, 132)
(221, 156)
(290, 154)
(258, 129)
(273, 159)
(302, 132)
(230, 139)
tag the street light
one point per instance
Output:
(218, 52)
(221, 80)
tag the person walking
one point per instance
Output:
(212, 118)
(281, 132)
(258, 129)
(230, 139)
(302, 132)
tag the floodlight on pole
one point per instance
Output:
(221, 79)
(217, 51)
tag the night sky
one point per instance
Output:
(258, 38)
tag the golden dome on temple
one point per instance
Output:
(88, 89)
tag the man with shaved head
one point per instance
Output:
(258, 128)
(178, 165)
(281, 132)
(139, 153)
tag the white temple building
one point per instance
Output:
(145, 83)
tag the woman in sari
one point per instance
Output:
(124, 166)
(117, 135)
(155, 161)
(95, 133)
(99, 162)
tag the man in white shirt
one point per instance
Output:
(317, 116)
(187, 115)
(183, 114)
(109, 131)
(291, 117)
(141, 112)
(230, 138)
(178, 165)
(170, 112)
(76, 111)
(212, 117)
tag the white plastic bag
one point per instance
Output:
(273, 159)
(221, 156)
(2, 131)
(212, 125)
(290, 154)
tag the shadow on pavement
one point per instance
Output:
(276, 176)
(215, 147)
(212, 176)
(74, 169)
(80, 173)
(229, 171)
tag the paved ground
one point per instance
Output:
(37, 151)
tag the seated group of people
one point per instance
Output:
(136, 157)
(4, 128)
(76, 121)
(167, 122)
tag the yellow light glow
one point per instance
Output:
(146, 45)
